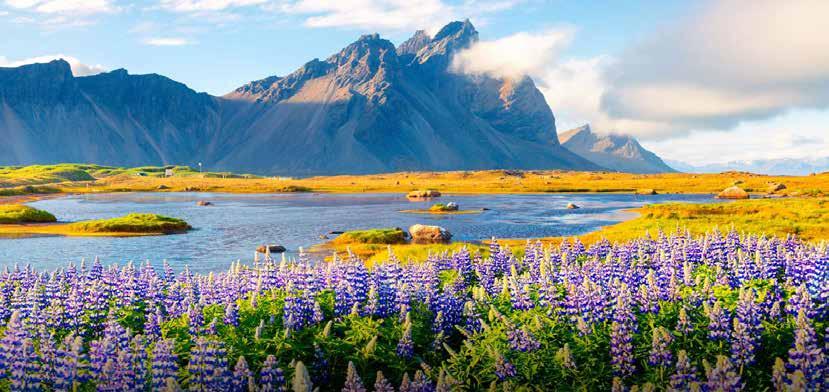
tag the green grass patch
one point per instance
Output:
(386, 236)
(132, 223)
(440, 207)
(293, 189)
(15, 214)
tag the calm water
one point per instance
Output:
(237, 224)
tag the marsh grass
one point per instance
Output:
(17, 214)
(132, 223)
(385, 236)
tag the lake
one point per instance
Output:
(236, 224)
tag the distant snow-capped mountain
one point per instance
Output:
(781, 166)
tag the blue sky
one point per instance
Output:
(676, 74)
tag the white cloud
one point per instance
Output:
(513, 56)
(387, 15)
(206, 5)
(167, 41)
(63, 6)
(728, 63)
(78, 68)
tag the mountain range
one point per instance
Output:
(372, 107)
(781, 166)
(615, 151)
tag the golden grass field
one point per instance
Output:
(800, 208)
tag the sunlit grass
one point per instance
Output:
(132, 223)
(16, 214)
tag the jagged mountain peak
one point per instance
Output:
(411, 46)
(614, 151)
(367, 108)
(461, 31)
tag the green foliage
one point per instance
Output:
(16, 213)
(393, 235)
(132, 223)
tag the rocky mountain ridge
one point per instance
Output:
(372, 107)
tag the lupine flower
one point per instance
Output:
(722, 377)
(805, 356)
(164, 363)
(685, 375)
(503, 369)
(381, 384)
(660, 354)
(565, 357)
(719, 323)
(352, 380)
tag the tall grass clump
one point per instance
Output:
(16, 214)
(132, 223)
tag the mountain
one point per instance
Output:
(616, 152)
(372, 107)
(781, 166)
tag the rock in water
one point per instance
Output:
(204, 203)
(571, 206)
(423, 234)
(733, 192)
(452, 206)
(271, 249)
(423, 194)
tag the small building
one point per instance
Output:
(168, 172)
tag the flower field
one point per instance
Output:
(710, 313)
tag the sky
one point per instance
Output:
(694, 81)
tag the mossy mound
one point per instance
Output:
(293, 189)
(440, 207)
(132, 223)
(394, 235)
(15, 214)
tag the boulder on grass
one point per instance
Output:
(423, 234)
(270, 249)
(776, 187)
(423, 194)
(734, 193)
(646, 191)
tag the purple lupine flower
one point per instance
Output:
(719, 323)
(381, 384)
(242, 379)
(320, 367)
(683, 323)
(621, 339)
(231, 315)
(660, 354)
(164, 364)
(208, 366)
(271, 378)
(521, 340)
(405, 347)
(805, 356)
(743, 343)
(353, 383)
(722, 377)
(503, 369)
(68, 363)
(685, 373)
(421, 383)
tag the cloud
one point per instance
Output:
(727, 63)
(206, 5)
(167, 41)
(78, 68)
(386, 15)
(515, 55)
(84, 7)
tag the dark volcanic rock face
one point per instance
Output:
(615, 152)
(369, 108)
